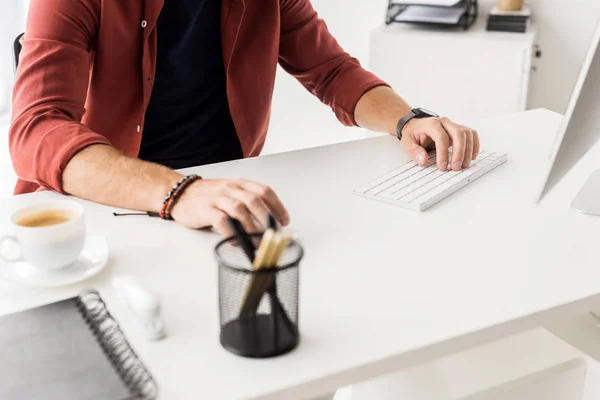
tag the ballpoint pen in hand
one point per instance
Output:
(242, 237)
(271, 222)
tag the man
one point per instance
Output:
(111, 96)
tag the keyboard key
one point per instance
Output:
(407, 185)
(399, 181)
(390, 178)
(383, 179)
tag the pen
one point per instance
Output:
(271, 222)
(242, 237)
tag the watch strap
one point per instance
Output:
(405, 120)
(414, 113)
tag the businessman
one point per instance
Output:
(111, 97)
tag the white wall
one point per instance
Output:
(565, 28)
(7, 26)
(299, 120)
(12, 22)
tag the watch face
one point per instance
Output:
(427, 112)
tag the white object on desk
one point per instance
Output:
(528, 264)
(143, 303)
(465, 75)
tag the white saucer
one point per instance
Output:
(91, 261)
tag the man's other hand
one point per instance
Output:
(207, 203)
(424, 134)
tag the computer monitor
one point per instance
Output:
(580, 129)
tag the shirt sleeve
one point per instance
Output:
(51, 88)
(311, 54)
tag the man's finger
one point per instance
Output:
(458, 135)
(219, 222)
(238, 210)
(468, 149)
(270, 199)
(442, 142)
(254, 203)
(475, 144)
(417, 153)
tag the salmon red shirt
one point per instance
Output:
(87, 68)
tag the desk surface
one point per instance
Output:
(381, 287)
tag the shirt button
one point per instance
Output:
(139, 128)
(144, 24)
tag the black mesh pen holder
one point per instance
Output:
(258, 309)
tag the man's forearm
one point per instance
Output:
(104, 175)
(380, 109)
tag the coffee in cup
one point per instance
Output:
(46, 218)
(49, 235)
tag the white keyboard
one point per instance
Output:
(419, 187)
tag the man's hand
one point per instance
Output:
(103, 174)
(381, 108)
(424, 134)
(207, 203)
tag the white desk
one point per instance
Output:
(381, 287)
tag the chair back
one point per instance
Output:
(17, 49)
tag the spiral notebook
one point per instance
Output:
(71, 349)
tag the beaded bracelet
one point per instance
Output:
(174, 194)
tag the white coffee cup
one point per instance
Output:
(51, 243)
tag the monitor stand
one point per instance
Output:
(587, 200)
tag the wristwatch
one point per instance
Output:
(414, 113)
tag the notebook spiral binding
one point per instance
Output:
(115, 346)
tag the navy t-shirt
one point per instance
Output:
(187, 122)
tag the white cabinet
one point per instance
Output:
(464, 75)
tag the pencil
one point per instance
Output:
(269, 252)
